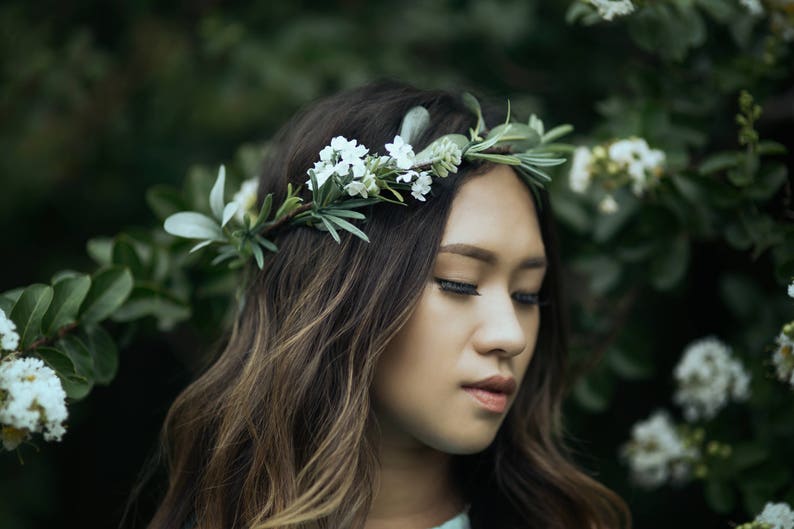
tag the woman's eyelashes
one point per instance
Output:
(456, 287)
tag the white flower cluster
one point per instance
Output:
(753, 6)
(778, 515)
(9, 339)
(32, 400)
(632, 159)
(609, 9)
(791, 289)
(357, 172)
(707, 376)
(657, 453)
(783, 359)
(345, 159)
(245, 198)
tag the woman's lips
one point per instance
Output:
(489, 400)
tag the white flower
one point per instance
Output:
(707, 376)
(778, 515)
(608, 205)
(639, 160)
(783, 359)
(245, 197)
(9, 339)
(579, 177)
(337, 158)
(403, 153)
(656, 452)
(753, 6)
(32, 400)
(421, 186)
(609, 9)
(363, 183)
(791, 289)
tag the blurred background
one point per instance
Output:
(99, 101)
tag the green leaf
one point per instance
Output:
(260, 259)
(746, 455)
(768, 147)
(68, 295)
(556, 132)
(150, 299)
(267, 244)
(104, 353)
(472, 104)
(264, 211)
(228, 212)
(517, 136)
(414, 124)
(12, 295)
(100, 249)
(631, 366)
(216, 194)
(109, 289)
(345, 225)
(164, 201)
(330, 228)
(28, 312)
(669, 267)
(345, 213)
(124, 254)
(57, 360)
(720, 496)
(720, 162)
(192, 225)
(767, 183)
(79, 354)
(593, 392)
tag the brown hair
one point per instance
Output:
(275, 434)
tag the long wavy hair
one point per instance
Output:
(276, 433)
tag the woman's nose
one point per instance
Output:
(500, 328)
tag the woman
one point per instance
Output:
(412, 381)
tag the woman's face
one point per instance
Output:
(480, 321)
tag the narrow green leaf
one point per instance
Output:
(472, 104)
(345, 213)
(556, 132)
(68, 295)
(269, 246)
(28, 312)
(267, 205)
(260, 259)
(109, 288)
(331, 229)
(345, 225)
(719, 162)
(228, 212)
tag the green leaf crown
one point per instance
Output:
(347, 178)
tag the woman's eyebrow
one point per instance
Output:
(481, 254)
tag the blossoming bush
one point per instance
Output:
(675, 213)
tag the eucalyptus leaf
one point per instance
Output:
(28, 312)
(68, 295)
(216, 194)
(472, 104)
(414, 124)
(192, 225)
(109, 289)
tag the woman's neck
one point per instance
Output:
(416, 490)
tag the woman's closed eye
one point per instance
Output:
(456, 287)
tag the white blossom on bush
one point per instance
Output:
(778, 515)
(791, 289)
(421, 186)
(707, 377)
(403, 153)
(32, 400)
(657, 454)
(9, 339)
(245, 197)
(580, 175)
(642, 163)
(338, 158)
(609, 9)
(608, 205)
(783, 359)
(753, 6)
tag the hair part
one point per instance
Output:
(277, 432)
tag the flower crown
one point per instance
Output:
(347, 177)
